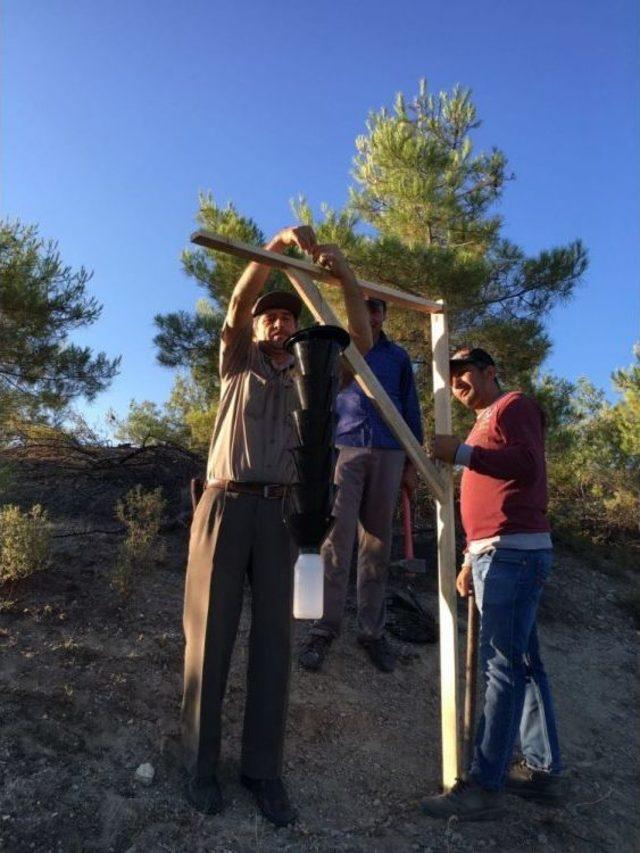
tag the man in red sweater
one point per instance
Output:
(508, 557)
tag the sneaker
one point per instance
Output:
(536, 785)
(467, 801)
(272, 799)
(382, 655)
(314, 651)
(205, 797)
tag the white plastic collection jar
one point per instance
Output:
(308, 586)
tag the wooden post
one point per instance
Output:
(470, 683)
(446, 562)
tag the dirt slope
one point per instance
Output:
(90, 689)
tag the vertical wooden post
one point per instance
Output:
(446, 561)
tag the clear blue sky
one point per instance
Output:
(115, 115)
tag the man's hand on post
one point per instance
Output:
(444, 447)
(302, 236)
(464, 581)
(331, 258)
(255, 275)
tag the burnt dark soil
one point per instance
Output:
(90, 689)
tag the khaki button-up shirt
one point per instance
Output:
(253, 433)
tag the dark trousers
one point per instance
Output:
(368, 480)
(233, 535)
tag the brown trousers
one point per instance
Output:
(233, 535)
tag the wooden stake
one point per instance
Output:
(446, 562)
(470, 683)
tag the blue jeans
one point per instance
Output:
(508, 585)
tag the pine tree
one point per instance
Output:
(41, 302)
(421, 217)
(430, 200)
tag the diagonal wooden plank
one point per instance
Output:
(369, 383)
(274, 259)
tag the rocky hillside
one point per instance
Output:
(90, 690)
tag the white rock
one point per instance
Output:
(145, 774)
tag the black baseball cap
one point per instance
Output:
(476, 355)
(283, 299)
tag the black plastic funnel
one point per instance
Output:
(309, 531)
(311, 498)
(313, 427)
(310, 501)
(314, 463)
(316, 349)
(316, 394)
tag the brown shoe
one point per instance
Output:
(548, 789)
(467, 801)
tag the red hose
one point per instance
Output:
(406, 523)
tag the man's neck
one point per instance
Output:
(375, 334)
(281, 359)
(487, 402)
(277, 355)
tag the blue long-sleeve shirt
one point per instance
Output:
(359, 424)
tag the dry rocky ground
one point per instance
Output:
(90, 689)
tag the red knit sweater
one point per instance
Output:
(504, 489)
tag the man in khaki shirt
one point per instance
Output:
(238, 530)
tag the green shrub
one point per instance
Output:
(25, 542)
(6, 477)
(142, 514)
(593, 460)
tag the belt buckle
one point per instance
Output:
(270, 491)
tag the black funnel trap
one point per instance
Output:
(314, 464)
(312, 427)
(317, 348)
(310, 500)
(308, 513)
(316, 394)
(316, 351)
(307, 530)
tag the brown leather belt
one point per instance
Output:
(263, 490)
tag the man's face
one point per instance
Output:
(275, 325)
(376, 316)
(473, 386)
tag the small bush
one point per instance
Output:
(6, 477)
(25, 542)
(142, 514)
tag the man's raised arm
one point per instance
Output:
(331, 258)
(254, 277)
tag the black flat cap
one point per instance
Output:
(284, 300)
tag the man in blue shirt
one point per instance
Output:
(371, 466)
